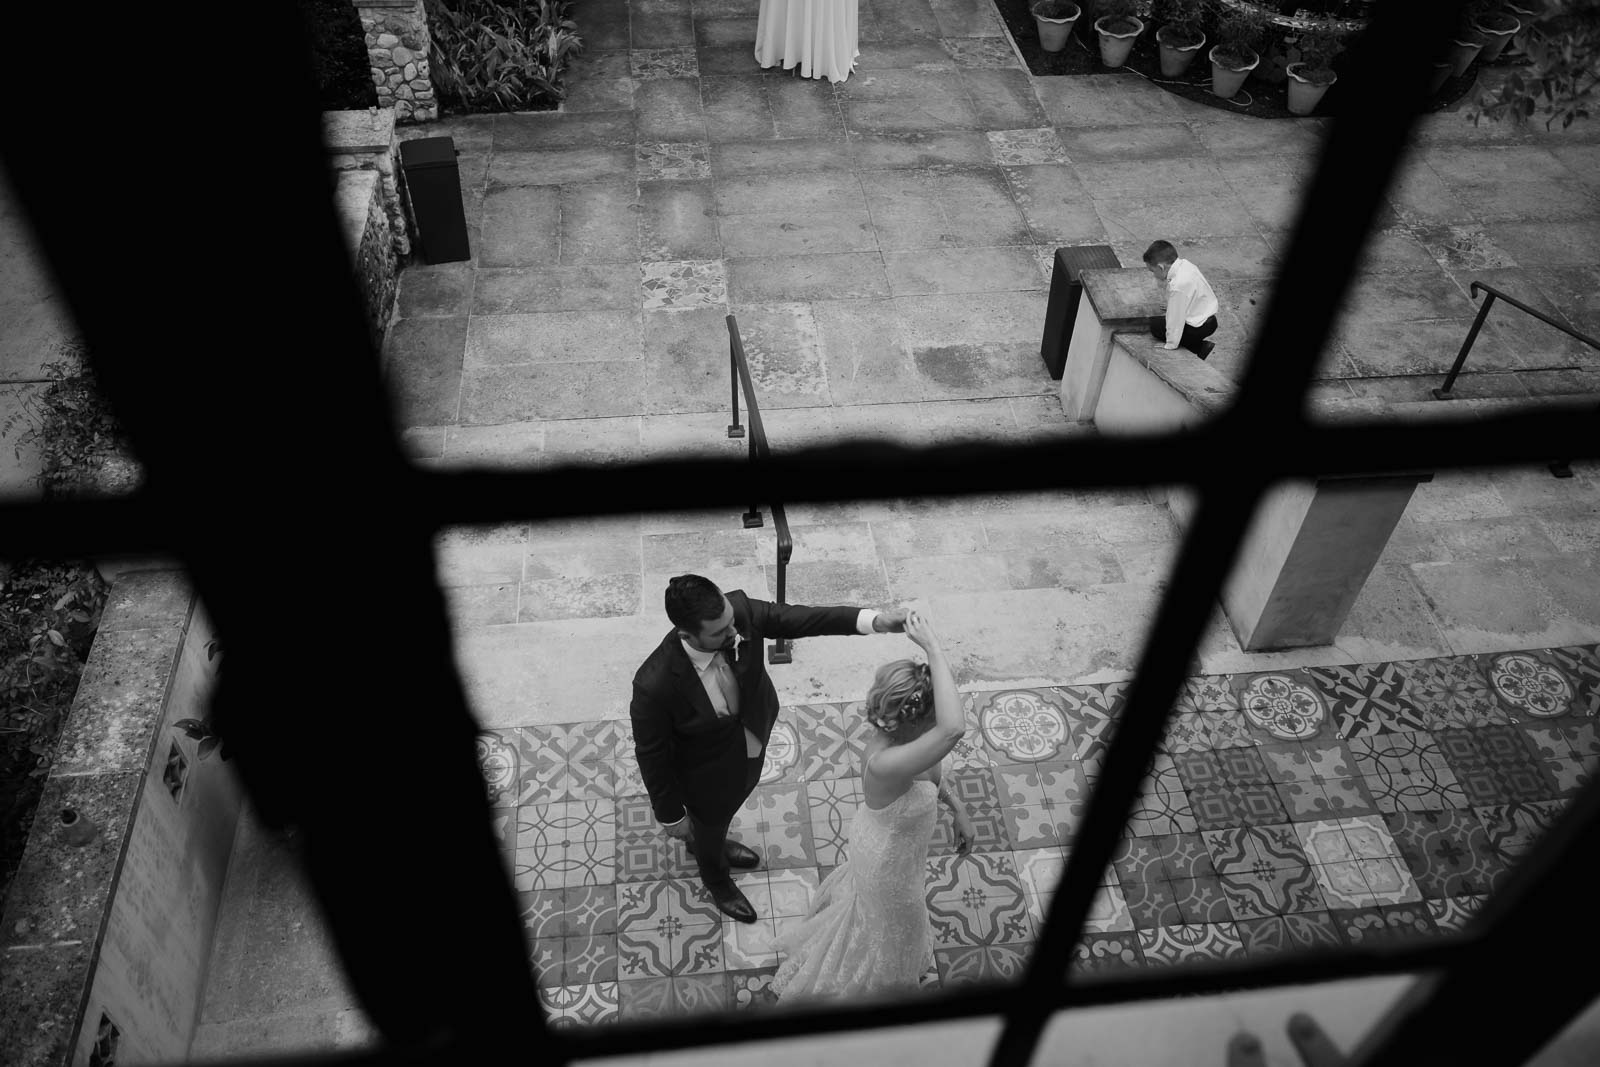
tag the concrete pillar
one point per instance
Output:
(1120, 299)
(397, 47)
(1307, 554)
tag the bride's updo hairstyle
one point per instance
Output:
(901, 695)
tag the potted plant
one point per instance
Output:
(1054, 18)
(1312, 73)
(1496, 25)
(1235, 56)
(1180, 37)
(1117, 29)
(1464, 49)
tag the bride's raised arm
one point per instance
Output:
(899, 764)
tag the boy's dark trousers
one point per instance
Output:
(1193, 336)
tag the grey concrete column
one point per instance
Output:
(1308, 552)
(397, 46)
(1120, 299)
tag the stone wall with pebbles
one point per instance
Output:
(397, 46)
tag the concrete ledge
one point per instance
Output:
(109, 920)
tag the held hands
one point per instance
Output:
(890, 622)
(920, 630)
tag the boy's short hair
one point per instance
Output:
(1160, 252)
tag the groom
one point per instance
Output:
(703, 708)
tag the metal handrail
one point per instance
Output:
(782, 650)
(1561, 468)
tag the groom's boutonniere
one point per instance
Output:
(738, 639)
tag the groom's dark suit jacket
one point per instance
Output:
(688, 754)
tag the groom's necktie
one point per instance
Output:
(723, 670)
(727, 683)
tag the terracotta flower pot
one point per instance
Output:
(1226, 80)
(1463, 50)
(1304, 93)
(1053, 32)
(1175, 58)
(1497, 36)
(1114, 47)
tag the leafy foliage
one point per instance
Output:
(1181, 20)
(72, 423)
(489, 56)
(1563, 72)
(338, 55)
(1119, 15)
(200, 729)
(1055, 9)
(1316, 52)
(49, 612)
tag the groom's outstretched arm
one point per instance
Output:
(652, 747)
(797, 620)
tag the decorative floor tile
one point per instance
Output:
(1495, 765)
(1190, 944)
(544, 912)
(792, 892)
(1026, 147)
(497, 759)
(1030, 827)
(1348, 797)
(1366, 699)
(676, 285)
(503, 824)
(1343, 884)
(580, 1005)
(546, 955)
(1259, 892)
(1423, 790)
(1451, 691)
(1163, 806)
(1530, 688)
(977, 900)
(1312, 761)
(1220, 807)
(1447, 851)
(1548, 741)
(751, 989)
(1306, 931)
(750, 945)
(1108, 912)
(987, 965)
(1369, 837)
(1243, 766)
(1092, 713)
(1202, 900)
(1024, 725)
(1282, 706)
(1152, 904)
(1207, 693)
(1256, 848)
(1304, 801)
(833, 806)
(1363, 926)
(663, 63)
(1106, 953)
(1569, 775)
(1199, 770)
(1409, 921)
(1389, 881)
(782, 817)
(589, 959)
(1185, 732)
(826, 748)
(672, 162)
(974, 790)
(1139, 859)
(669, 946)
(1185, 856)
(1581, 664)
(690, 994)
(783, 755)
(1452, 913)
(1513, 828)
(1230, 729)
(1583, 737)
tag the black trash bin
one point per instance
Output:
(433, 186)
(1065, 291)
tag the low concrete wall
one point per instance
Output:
(1310, 544)
(359, 201)
(106, 933)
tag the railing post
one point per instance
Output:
(734, 429)
(1443, 392)
(752, 518)
(782, 650)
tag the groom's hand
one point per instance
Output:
(890, 622)
(679, 829)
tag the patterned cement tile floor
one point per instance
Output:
(1284, 811)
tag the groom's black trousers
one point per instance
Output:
(710, 837)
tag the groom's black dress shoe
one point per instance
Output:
(741, 856)
(732, 902)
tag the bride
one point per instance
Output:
(821, 37)
(868, 928)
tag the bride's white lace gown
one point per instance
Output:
(868, 930)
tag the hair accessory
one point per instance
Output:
(912, 708)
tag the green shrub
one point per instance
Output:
(83, 446)
(489, 56)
